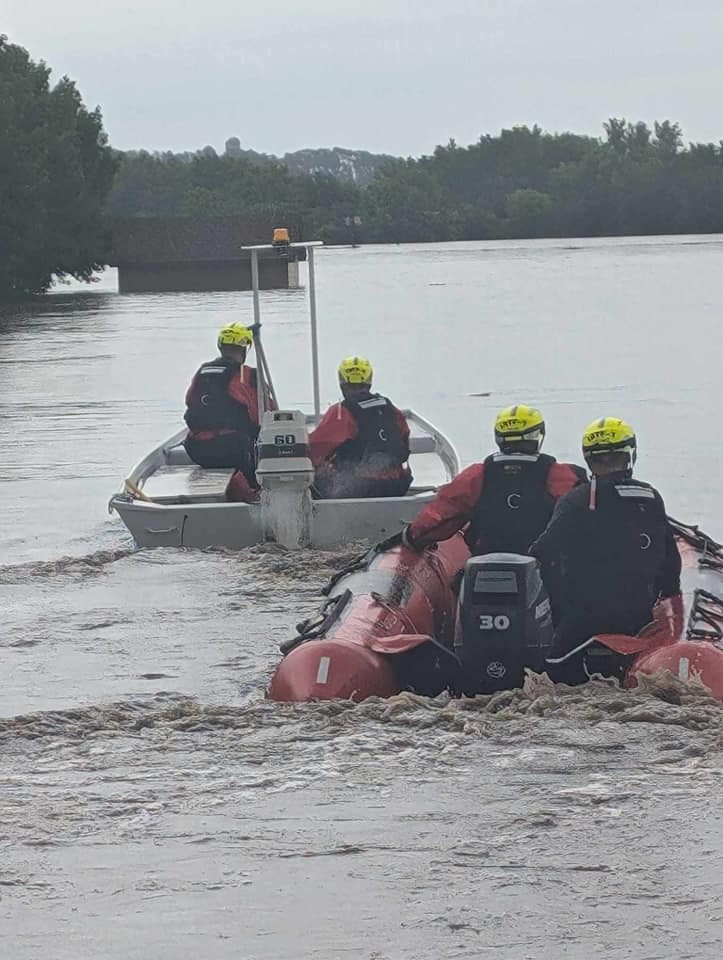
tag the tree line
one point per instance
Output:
(527, 183)
(207, 185)
(61, 185)
(522, 183)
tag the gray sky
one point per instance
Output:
(396, 76)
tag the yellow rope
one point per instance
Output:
(133, 488)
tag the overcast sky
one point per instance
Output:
(395, 76)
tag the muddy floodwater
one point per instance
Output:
(154, 806)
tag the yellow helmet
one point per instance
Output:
(235, 335)
(610, 435)
(355, 370)
(518, 423)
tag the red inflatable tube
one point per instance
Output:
(397, 602)
(685, 636)
(333, 670)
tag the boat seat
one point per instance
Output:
(422, 445)
(189, 482)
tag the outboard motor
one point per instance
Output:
(284, 473)
(504, 622)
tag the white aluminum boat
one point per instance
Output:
(168, 501)
(186, 505)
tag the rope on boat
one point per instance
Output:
(362, 561)
(314, 627)
(136, 491)
(358, 563)
(712, 561)
(693, 535)
(706, 617)
(711, 552)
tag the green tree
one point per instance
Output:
(528, 213)
(668, 137)
(55, 172)
(407, 204)
(615, 130)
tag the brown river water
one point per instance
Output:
(154, 805)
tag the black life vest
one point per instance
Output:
(616, 556)
(378, 448)
(210, 406)
(515, 506)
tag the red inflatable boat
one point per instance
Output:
(381, 607)
(686, 634)
(391, 622)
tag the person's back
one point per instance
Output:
(516, 501)
(507, 500)
(213, 405)
(611, 537)
(360, 447)
(222, 405)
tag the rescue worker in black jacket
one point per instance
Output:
(360, 447)
(222, 409)
(612, 540)
(505, 501)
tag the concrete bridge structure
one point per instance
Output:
(187, 253)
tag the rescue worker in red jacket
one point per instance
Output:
(505, 502)
(361, 446)
(222, 411)
(616, 549)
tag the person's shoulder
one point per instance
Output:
(474, 472)
(335, 412)
(399, 413)
(633, 484)
(653, 491)
(568, 471)
(577, 496)
(373, 400)
(467, 484)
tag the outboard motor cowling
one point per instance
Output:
(284, 472)
(504, 622)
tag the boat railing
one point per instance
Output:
(442, 446)
(169, 453)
